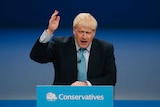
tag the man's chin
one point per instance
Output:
(83, 46)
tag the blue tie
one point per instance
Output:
(82, 74)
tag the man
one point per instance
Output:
(63, 52)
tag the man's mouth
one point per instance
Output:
(83, 42)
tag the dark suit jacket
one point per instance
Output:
(62, 53)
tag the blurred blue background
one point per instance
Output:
(109, 13)
(132, 26)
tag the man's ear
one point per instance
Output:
(74, 31)
(94, 32)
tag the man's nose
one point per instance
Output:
(84, 35)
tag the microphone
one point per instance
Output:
(79, 61)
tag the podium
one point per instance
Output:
(74, 96)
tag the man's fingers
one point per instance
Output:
(55, 13)
(55, 16)
(55, 20)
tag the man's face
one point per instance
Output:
(83, 36)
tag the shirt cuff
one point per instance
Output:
(88, 83)
(45, 37)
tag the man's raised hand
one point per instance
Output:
(53, 22)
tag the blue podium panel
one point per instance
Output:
(74, 96)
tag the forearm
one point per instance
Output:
(45, 37)
(40, 51)
(105, 80)
(107, 76)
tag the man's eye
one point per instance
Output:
(80, 31)
(88, 32)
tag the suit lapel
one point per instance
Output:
(93, 56)
(70, 52)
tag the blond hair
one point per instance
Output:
(85, 19)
